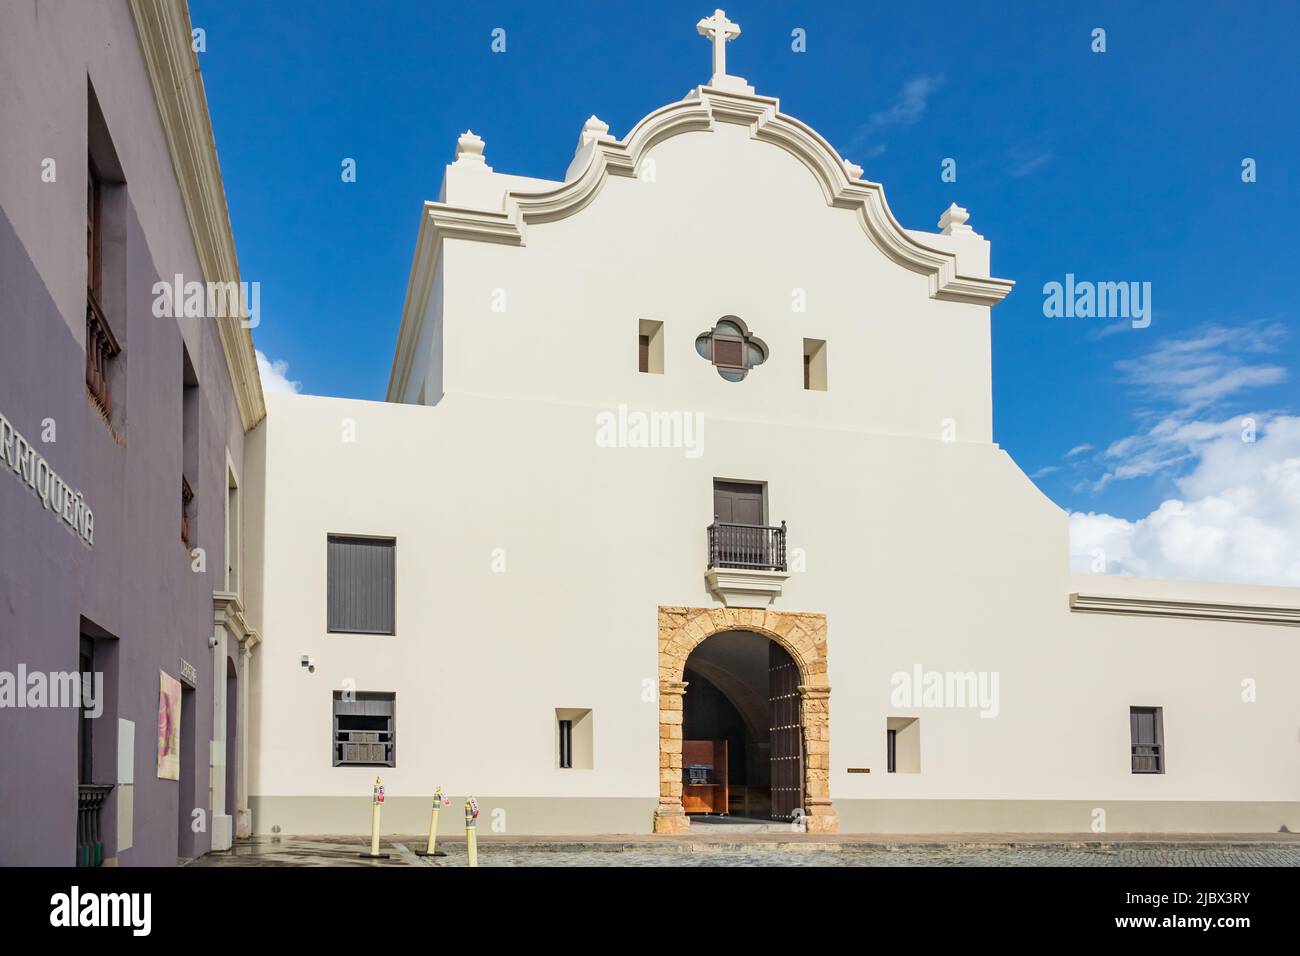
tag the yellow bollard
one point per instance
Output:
(376, 801)
(438, 801)
(471, 830)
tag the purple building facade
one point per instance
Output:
(122, 424)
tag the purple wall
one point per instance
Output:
(136, 583)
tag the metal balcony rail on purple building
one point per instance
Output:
(753, 547)
(90, 813)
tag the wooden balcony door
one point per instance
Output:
(738, 502)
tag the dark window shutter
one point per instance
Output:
(807, 371)
(361, 583)
(643, 353)
(1144, 729)
(728, 352)
(566, 744)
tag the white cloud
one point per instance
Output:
(1195, 372)
(1183, 379)
(1024, 160)
(1237, 514)
(906, 110)
(275, 375)
(1238, 518)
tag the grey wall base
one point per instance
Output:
(511, 815)
(633, 815)
(1066, 816)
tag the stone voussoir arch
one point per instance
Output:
(803, 636)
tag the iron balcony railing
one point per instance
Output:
(755, 547)
(90, 814)
(1147, 758)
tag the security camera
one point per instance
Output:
(308, 663)
(212, 641)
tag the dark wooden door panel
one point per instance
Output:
(786, 733)
(738, 502)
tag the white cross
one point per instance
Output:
(718, 29)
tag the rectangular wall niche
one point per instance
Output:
(903, 744)
(814, 365)
(650, 346)
(573, 738)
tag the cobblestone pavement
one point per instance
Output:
(298, 852)
(902, 856)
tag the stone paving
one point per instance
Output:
(981, 850)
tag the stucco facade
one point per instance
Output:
(540, 541)
(79, 89)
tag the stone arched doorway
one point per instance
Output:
(803, 636)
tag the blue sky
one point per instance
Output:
(1117, 166)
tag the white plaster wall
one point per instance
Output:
(730, 225)
(918, 551)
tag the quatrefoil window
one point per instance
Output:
(731, 349)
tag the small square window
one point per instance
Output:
(650, 347)
(814, 365)
(573, 738)
(903, 745)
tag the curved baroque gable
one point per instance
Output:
(699, 112)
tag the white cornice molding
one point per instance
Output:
(228, 612)
(702, 108)
(163, 28)
(1200, 610)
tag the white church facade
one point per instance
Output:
(685, 501)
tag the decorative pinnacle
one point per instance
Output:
(954, 220)
(469, 147)
(595, 128)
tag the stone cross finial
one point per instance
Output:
(718, 29)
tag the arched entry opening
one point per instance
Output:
(762, 688)
(742, 730)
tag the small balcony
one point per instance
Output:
(90, 823)
(187, 496)
(747, 563)
(754, 547)
(102, 347)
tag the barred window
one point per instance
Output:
(1146, 727)
(365, 729)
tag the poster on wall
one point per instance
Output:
(169, 728)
